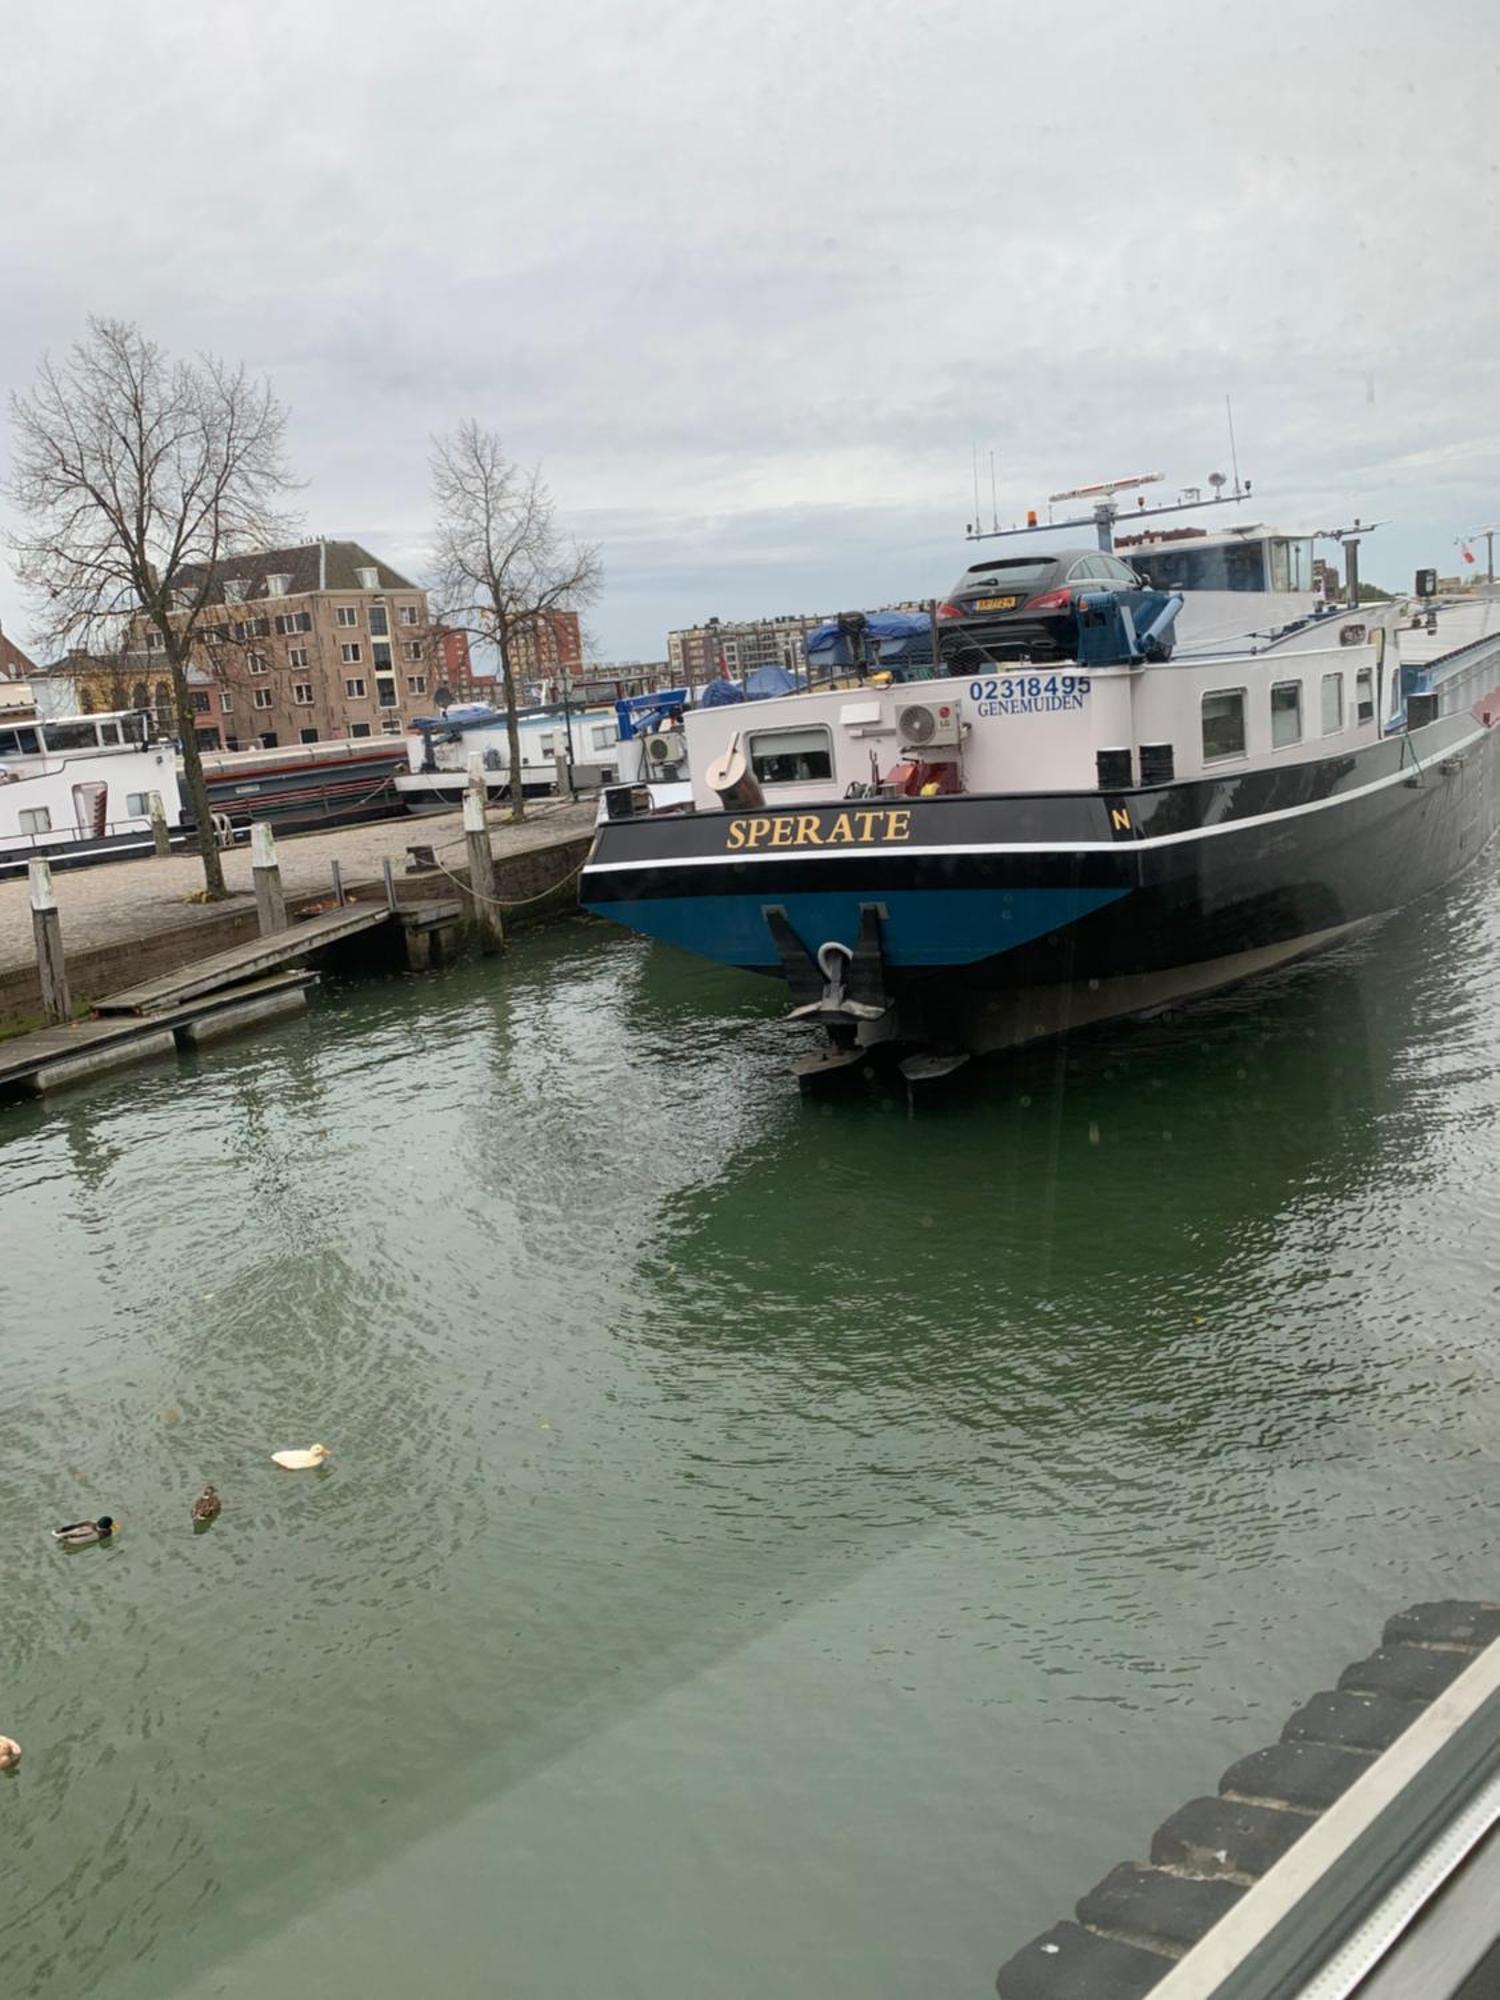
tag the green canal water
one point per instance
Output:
(773, 1549)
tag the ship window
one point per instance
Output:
(1364, 695)
(1333, 704)
(19, 743)
(137, 805)
(1223, 724)
(1286, 714)
(792, 756)
(72, 735)
(35, 819)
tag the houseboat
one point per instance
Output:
(305, 785)
(79, 788)
(558, 745)
(959, 862)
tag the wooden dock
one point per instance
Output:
(247, 961)
(51, 1057)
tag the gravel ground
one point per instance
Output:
(120, 899)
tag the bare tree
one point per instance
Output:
(501, 562)
(137, 475)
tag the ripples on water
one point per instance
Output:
(772, 1548)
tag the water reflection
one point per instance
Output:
(637, 1366)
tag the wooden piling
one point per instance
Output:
(484, 910)
(338, 885)
(159, 831)
(270, 902)
(46, 928)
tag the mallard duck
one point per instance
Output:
(301, 1461)
(207, 1506)
(82, 1534)
(10, 1753)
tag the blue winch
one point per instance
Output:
(1117, 628)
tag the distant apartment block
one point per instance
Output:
(702, 652)
(547, 647)
(301, 645)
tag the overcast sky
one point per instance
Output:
(753, 280)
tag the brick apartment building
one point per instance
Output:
(695, 653)
(544, 652)
(302, 645)
(14, 665)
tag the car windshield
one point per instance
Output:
(1018, 574)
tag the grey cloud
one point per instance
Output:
(752, 282)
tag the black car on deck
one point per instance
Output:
(1025, 607)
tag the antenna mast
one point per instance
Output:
(1234, 462)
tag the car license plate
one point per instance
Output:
(995, 603)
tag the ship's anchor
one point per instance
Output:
(839, 988)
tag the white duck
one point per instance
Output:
(10, 1753)
(301, 1461)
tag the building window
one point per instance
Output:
(296, 656)
(308, 735)
(226, 703)
(201, 703)
(355, 689)
(1223, 724)
(380, 653)
(414, 649)
(235, 589)
(260, 628)
(240, 630)
(154, 640)
(1333, 704)
(367, 579)
(346, 614)
(416, 683)
(1286, 714)
(262, 697)
(792, 756)
(207, 739)
(35, 819)
(268, 739)
(407, 614)
(385, 693)
(1364, 695)
(380, 624)
(391, 726)
(278, 585)
(231, 743)
(302, 693)
(293, 621)
(605, 736)
(256, 662)
(350, 652)
(359, 728)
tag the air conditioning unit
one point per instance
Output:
(928, 725)
(666, 755)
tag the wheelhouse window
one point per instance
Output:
(1333, 704)
(72, 735)
(792, 756)
(1286, 714)
(35, 819)
(1223, 724)
(1364, 695)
